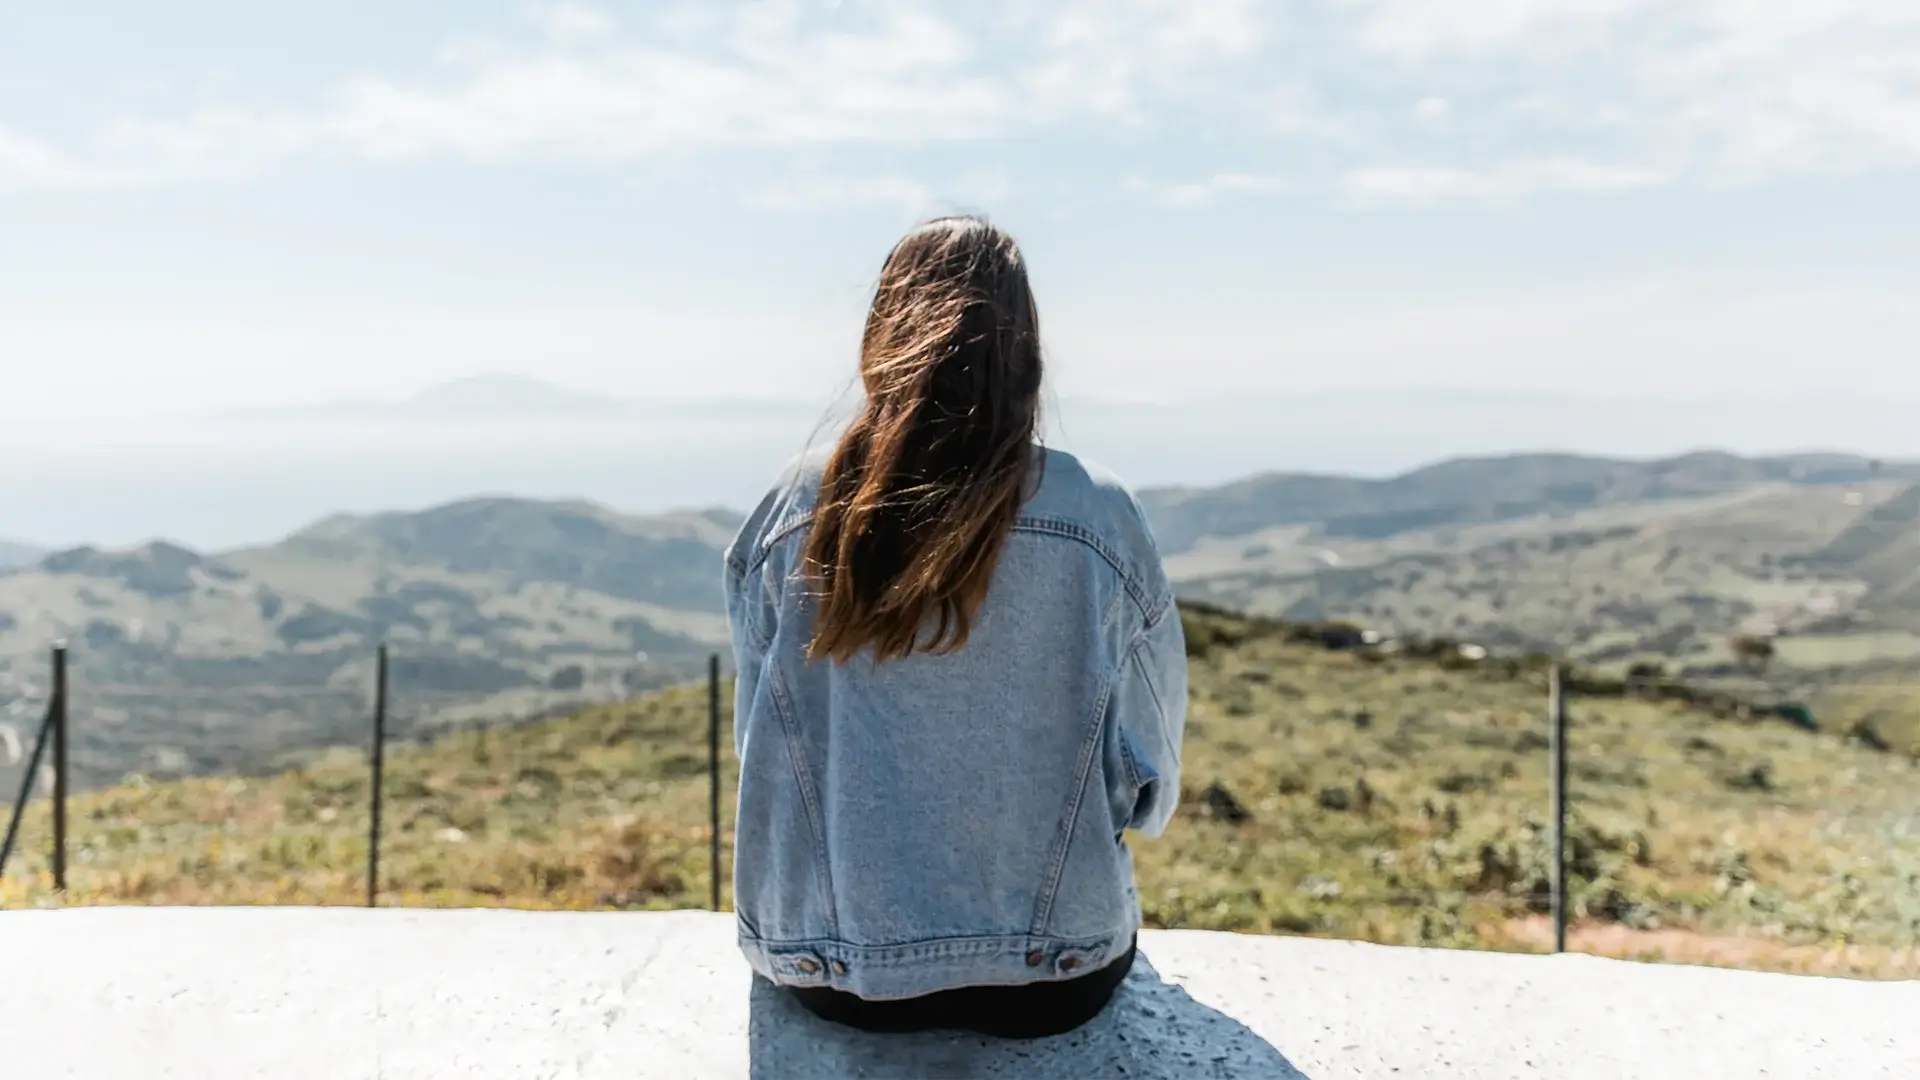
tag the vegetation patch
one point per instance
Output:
(1424, 824)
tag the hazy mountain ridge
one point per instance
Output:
(1828, 569)
(669, 560)
(13, 553)
(227, 479)
(487, 596)
(1882, 547)
(1785, 542)
(1476, 490)
(272, 646)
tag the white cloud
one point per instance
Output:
(573, 22)
(910, 196)
(1504, 181)
(769, 73)
(1299, 111)
(1418, 29)
(26, 161)
(968, 192)
(1714, 90)
(1670, 91)
(1105, 57)
(1194, 193)
(770, 85)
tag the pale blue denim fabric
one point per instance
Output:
(944, 821)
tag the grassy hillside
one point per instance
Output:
(1471, 491)
(1394, 798)
(1613, 561)
(1828, 571)
(1609, 586)
(187, 661)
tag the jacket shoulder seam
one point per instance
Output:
(1073, 530)
(1151, 608)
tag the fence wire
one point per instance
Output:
(1751, 841)
(276, 794)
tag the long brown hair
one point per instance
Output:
(923, 488)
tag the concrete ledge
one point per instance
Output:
(340, 994)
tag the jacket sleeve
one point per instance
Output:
(748, 655)
(1149, 710)
(749, 618)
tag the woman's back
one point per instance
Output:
(936, 821)
(961, 671)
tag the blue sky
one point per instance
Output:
(210, 205)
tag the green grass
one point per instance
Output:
(1395, 799)
(1664, 581)
(606, 808)
(1435, 835)
(1846, 650)
(237, 657)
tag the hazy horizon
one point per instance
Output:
(1217, 198)
(234, 479)
(1631, 227)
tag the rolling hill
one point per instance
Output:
(1340, 792)
(14, 553)
(1585, 581)
(1471, 491)
(1881, 548)
(191, 662)
(1616, 563)
(497, 607)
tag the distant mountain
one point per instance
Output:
(500, 394)
(1883, 544)
(190, 660)
(666, 560)
(1613, 562)
(13, 553)
(1882, 549)
(1475, 491)
(224, 480)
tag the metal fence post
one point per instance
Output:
(379, 761)
(1557, 796)
(60, 713)
(26, 786)
(713, 772)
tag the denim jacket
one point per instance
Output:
(956, 820)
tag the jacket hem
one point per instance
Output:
(911, 969)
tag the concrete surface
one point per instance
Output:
(340, 994)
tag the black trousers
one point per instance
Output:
(1032, 1011)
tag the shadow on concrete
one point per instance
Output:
(1152, 1029)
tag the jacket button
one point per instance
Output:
(1069, 964)
(1034, 958)
(807, 966)
(839, 968)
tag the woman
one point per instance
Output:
(961, 678)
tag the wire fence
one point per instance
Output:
(636, 759)
(302, 754)
(56, 726)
